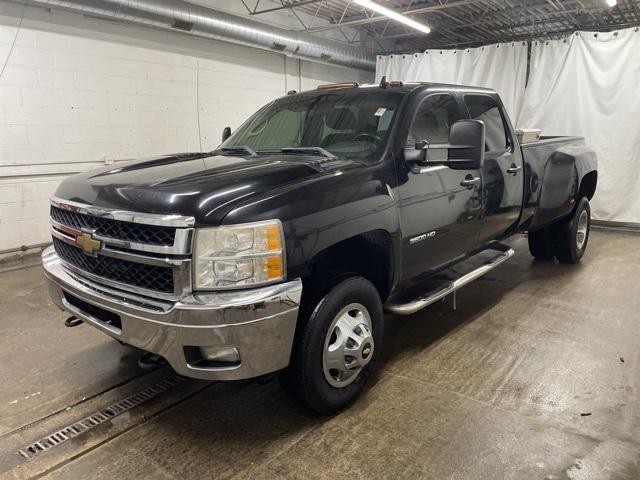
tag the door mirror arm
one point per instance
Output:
(465, 149)
(415, 157)
(418, 157)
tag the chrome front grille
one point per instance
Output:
(145, 254)
(107, 227)
(150, 277)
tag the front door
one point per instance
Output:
(502, 175)
(438, 215)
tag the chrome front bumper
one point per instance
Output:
(259, 323)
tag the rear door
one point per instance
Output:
(502, 170)
(438, 215)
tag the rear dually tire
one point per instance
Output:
(571, 235)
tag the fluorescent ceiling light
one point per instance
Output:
(398, 17)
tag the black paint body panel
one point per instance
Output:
(322, 203)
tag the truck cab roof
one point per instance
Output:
(403, 87)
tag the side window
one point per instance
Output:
(482, 107)
(432, 122)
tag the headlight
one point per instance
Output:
(239, 255)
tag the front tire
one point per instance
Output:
(572, 234)
(336, 347)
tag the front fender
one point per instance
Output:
(324, 211)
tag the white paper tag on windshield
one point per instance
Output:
(380, 112)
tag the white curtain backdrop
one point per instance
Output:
(589, 85)
(586, 85)
(502, 66)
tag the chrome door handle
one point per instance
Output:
(514, 169)
(469, 181)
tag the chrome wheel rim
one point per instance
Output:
(348, 346)
(581, 233)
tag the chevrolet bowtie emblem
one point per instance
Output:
(88, 244)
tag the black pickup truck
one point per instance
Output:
(281, 249)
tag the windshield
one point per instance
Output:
(353, 125)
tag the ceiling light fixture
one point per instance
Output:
(612, 3)
(398, 17)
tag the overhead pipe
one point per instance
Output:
(177, 15)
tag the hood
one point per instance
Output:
(201, 185)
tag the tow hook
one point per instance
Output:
(72, 322)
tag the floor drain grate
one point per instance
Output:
(97, 418)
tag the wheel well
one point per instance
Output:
(369, 255)
(588, 185)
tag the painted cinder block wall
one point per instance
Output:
(78, 92)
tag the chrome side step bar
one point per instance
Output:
(505, 252)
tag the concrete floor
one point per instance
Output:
(536, 375)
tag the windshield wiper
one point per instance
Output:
(311, 150)
(238, 148)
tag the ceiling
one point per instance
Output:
(454, 23)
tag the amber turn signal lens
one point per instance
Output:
(274, 267)
(274, 240)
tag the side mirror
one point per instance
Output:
(466, 144)
(465, 148)
(226, 133)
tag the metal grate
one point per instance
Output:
(132, 232)
(97, 418)
(150, 277)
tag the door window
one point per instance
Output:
(432, 123)
(485, 108)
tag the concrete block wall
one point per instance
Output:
(78, 92)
